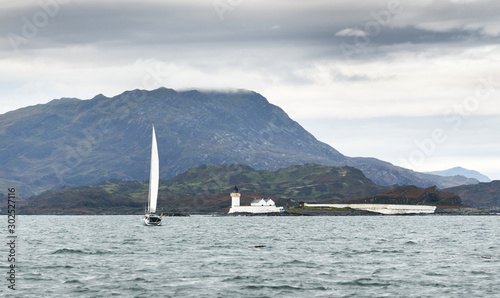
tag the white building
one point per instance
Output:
(262, 202)
(256, 206)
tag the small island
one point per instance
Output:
(256, 206)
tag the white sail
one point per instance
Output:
(154, 177)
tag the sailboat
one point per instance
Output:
(151, 218)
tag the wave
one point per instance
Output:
(81, 252)
(73, 281)
(365, 282)
(281, 287)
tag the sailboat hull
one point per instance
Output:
(152, 220)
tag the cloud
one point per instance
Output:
(247, 50)
(351, 32)
(466, 16)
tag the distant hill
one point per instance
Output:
(479, 195)
(384, 173)
(463, 172)
(411, 195)
(84, 200)
(206, 188)
(72, 142)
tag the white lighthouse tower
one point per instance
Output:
(235, 197)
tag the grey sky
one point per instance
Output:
(386, 67)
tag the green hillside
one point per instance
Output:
(206, 189)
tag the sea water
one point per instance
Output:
(210, 256)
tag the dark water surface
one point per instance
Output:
(205, 256)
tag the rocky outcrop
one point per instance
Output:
(411, 195)
(479, 195)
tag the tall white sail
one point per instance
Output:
(154, 177)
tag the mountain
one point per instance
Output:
(479, 195)
(462, 172)
(411, 195)
(384, 173)
(72, 142)
(206, 188)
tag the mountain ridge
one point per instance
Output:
(462, 172)
(82, 142)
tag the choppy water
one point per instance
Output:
(202, 256)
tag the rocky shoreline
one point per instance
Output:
(297, 211)
(468, 211)
(353, 212)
